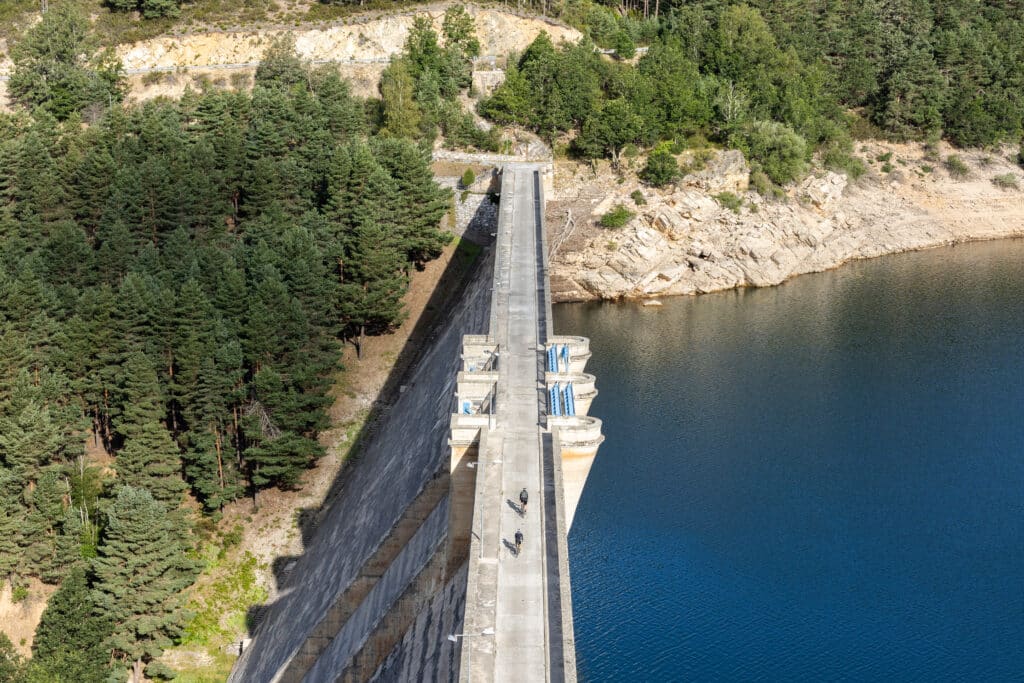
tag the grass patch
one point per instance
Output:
(1006, 181)
(887, 167)
(638, 197)
(729, 201)
(956, 167)
(617, 217)
(220, 609)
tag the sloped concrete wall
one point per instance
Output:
(409, 446)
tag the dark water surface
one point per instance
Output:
(814, 482)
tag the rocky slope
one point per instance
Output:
(362, 46)
(683, 241)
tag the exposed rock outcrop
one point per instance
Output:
(683, 241)
(362, 47)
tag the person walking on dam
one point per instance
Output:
(519, 541)
(524, 497)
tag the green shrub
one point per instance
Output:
(729, 201)
(19, 593)
(638, 197)
(887, 167)
(661, 168)
(153, 77)
(956, 167)
(887, 157)
(1020, 154)
(781, 152)
(1006, 181)
(623, 45)
(468, 178)
(760, 181)
(839, 158)
(617, 217)
(927, 168)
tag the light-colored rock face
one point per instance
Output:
(683, 242)
(376, 40)
(362, 49)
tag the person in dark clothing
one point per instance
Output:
(523, 498)
(519, 540)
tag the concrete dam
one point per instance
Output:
(416, 571)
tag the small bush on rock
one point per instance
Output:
(468, 178)
(661, 168)
(617, 217)
(781, 152)
(729, 201)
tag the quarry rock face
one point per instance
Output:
(683, 241)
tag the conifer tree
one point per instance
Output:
(55, 68)
(11, 664)
(68, 643)
(140, 572)
(424, 202)
(28, 438)
(68, 543)
(12, 512)
(42, 522)
(374, 285)
(150, 458)
(401, 112)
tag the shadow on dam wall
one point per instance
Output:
(400, 465)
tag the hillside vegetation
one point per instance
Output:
(175, 284)
(177, 279)
(778, 80)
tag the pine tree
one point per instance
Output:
(12, 513)
(28, 438)
(401, 113)
(11, 664)
(68, 643)
(42, 521)
(140, 572)
(68, 543)
(374, 286)
(55, 68)
(281, 66)
(423, 203)
(150, 458)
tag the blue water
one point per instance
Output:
(820, 481)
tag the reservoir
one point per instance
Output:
(818, 481)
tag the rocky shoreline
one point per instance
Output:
(685, 241)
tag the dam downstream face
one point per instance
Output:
(818, 481)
